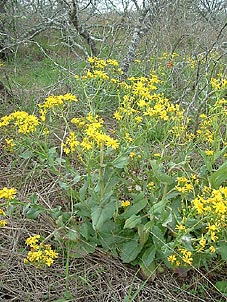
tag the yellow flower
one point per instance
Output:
(31, 241)
(49, 261)
(132, 154)
(186, 256)
(180, 227)
(2, 212)
(202, 242)
(71, 143)
(117, 115)
(125, 203)
(212, 249)
(3, 223)
(150, 185)
(172, 258)
(209, 152)
(8, 193)
(157, 154)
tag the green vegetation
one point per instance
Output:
(140, 172)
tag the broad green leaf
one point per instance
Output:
(120, 162)
(222, 286)
(158, 237)
(139, 203)
(72, 235)
(86, 230)
(26, 154)
(164, 178)
(82, 248)
(149, 255)
(33, 211)
(219, 176)
(130, 250)
(158, 208)
(167, 218)
(101, 214)
(219, 153)
(132, 221)
(223, 250)
(148, 272)
(143, 234)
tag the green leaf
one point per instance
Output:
(101, 214)
(164, 178)
(222, 286)
(148, 272)
(120, 162)
(223, 250)
(143, 234)
(82, 248)
(130, 250)
(72, 235)
(149, 256)
(158, 208)
(132, 221)
(139, 203)
(26, 154)
(33, 211)
(219, 176)
(158, 237)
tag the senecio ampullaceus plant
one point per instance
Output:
(40, 254)
(146, 180)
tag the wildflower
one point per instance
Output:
(202, 242)
(209, 152)
(181, 227)
(40, 254)
(31, 241)
(157, 155)
(9, 144)
(212, 249)
(198, 205)
(3, 223)
(132, 154)
(25, 122)
(71, 143)
(2, 212)
(186, 256)
(8, 193)
(150, 185)
(172, 258)
(125, 203)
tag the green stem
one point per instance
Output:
(101, 171)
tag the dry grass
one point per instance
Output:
(97, 277)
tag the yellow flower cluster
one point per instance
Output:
(101, 63)
(184, 185)
(90, 134)
(218, 84)
(8, 193)
(215, 204)
(40, 254)
(3, 222)
(206, 130)
(97, 69)
(25, 122)
(54, 101)
(181, 257)
(146, 107)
